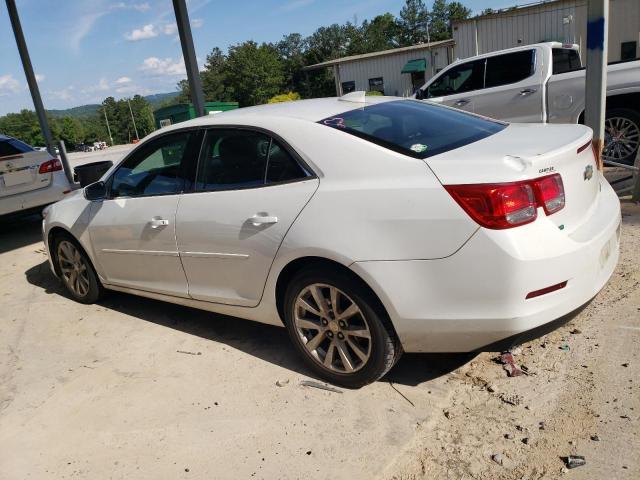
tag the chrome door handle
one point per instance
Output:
(258, 220)
(158, 222)
(527, 91)
(462, 102)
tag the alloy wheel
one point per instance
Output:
(622, 137)
(73, 268)
(332, 328)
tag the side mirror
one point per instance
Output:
(95, 191)
(420, 94)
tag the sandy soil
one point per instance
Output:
(581, 397)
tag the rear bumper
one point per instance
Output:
(477, 296)
(36, 198)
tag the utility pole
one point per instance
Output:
(132, 119)
(596, 82)
(189, 53)
(104, 109)
(31, 78)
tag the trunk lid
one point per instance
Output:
(19, 173)
(525, 152)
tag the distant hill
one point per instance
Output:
(91, 109)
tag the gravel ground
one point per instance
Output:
(581, 397)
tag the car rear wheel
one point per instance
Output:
(76, 271)
(622, 135)
(339, 328)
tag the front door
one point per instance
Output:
(456, 87)
(249, 190)
(133, 229)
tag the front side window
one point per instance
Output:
(463, 78)
(414, 128)
(157, 169)
(376, 84)
(509, 68)
(233, 159)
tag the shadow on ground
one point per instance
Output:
(266, 342)
(18, 232)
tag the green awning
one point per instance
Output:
(415, 66)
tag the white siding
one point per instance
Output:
(564, 21)
(389, 67)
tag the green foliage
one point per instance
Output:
(413, 22)
(285, 97)
(374, 93)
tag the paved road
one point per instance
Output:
(114, 154)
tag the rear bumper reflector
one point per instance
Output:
(544, 291)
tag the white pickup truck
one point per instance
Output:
(544, 82)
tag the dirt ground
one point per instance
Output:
(134, 388)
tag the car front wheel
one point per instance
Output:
(340, 329)
(76, 271)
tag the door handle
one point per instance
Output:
(258, 220)
(527, 91)
(158, 222)
(462, 102)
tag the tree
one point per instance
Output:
(254, 73)
(291, 50)
(413, 21)
(381, 33)
(439, 21)
(456, 12)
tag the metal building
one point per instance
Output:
(555, 20)
(399, 71)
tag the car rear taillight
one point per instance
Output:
(52, 165)
(506, 205)
(550, 193)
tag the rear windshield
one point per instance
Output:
(414, 128)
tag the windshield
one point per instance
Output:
(415, 128)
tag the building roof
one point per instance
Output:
(353, 58)
(516, 9)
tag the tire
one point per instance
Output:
(622, 135)
(76, 270)
(337, 354)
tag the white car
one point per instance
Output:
(29, 179)
(365, 228)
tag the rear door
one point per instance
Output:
(457, 86)
(250, 188)
(513, 87)
(19, 168)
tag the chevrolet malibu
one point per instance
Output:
(367, 227)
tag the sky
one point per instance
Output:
(85, 50)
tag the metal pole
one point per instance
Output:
(31, 78)
(596, 83)
(65, 163)
(189, 53)
(133, 120)
(104, 109)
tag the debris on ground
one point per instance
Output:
(595, 438)
(282, 383)
(188, 353)
(508, 364)
(511, 398)
(321, 386)
(401, 394)
(564, 347)
(574, 461)
(497, 457)
(575, 331)
(508, 436)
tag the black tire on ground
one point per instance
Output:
(95, 290)
(632, 116)
(385, 348)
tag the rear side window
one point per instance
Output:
(509, 68)
(233, 159)
(565, 60)
(11, 146)
(414, 128)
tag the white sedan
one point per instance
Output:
(367, 229)
(30, 179)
